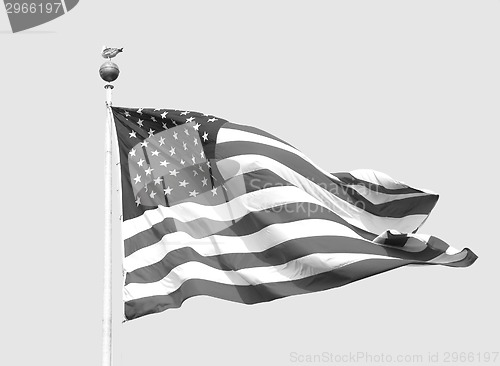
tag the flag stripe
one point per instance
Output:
(267, 291)
(258, 293)
(302, 267)
(377, 198)
(376, 181)
(467, 258)
(350, 213)
(422, 204)
(232, 210)
(265, 238)
(381, 179)
(294, 270)
(268, 254)
(255, 242)
(376, 185)
(251, 222)
(253, 130)
(226, 135)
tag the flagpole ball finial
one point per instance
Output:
(109, 71)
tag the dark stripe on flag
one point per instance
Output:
(262, 292)
(348, 178)
(276, 255)
(251, 222)
(421, 205)
(469, 259)
(254, 130)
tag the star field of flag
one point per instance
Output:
(170, 166)
(169, 160)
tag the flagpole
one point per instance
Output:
(109, 72)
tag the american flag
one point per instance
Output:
(230, 211)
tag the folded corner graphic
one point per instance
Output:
(26, 15)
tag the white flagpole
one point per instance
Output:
(109, 72)
(107, 320)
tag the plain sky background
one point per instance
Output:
(409, 88)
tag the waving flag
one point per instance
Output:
(230, 211)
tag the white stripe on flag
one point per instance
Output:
(448, 258)
(259, 241)
(382, 179)
(230, 135)
(379, 197)
(238, 207)
(296, 269)
(350, 213)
